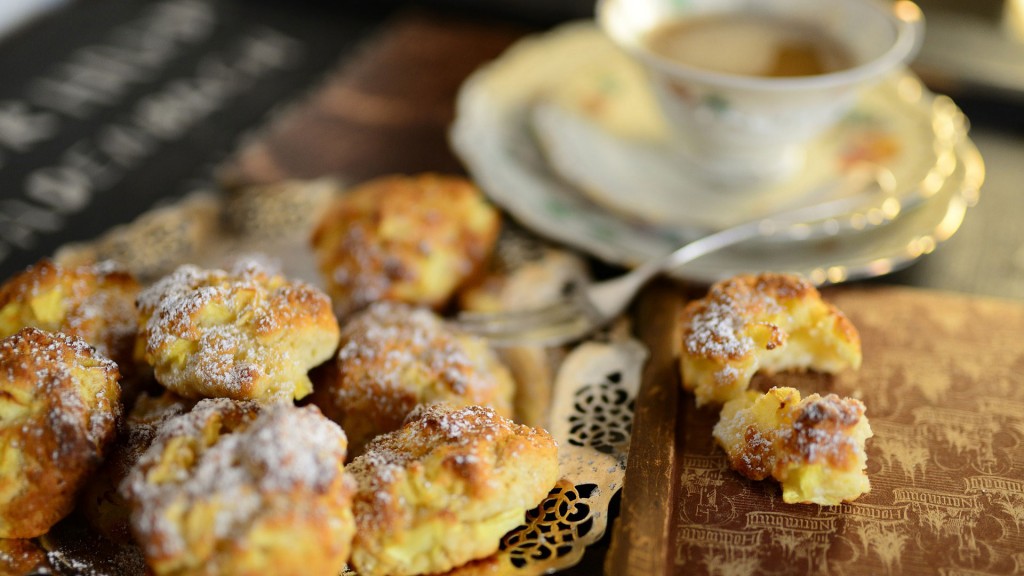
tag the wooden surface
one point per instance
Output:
(941, 381)
(640, 538)
(385, 110)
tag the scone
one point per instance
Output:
(246, 334)
(814, 446)
(394, 357)
(101, 503)
(410, 239)
(238, 487)
(769, 322)
(58, 414)
(94, 302)
(444, 488)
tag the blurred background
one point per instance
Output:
(15, 13)
(109, 108)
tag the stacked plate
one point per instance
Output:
(563, 132)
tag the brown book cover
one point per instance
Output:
(941, 380)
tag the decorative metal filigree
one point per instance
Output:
(602, 415)
(554, 527)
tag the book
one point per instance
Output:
(941, 379)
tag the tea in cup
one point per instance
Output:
(748, 84)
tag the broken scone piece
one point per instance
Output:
(767, 322)
(814, 447)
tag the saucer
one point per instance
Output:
(602, 131)
(493, 135)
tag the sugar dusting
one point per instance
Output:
(369, 270)
(395, 336)
(111, 305)
(466, 437)
(48, 349)
(412, 239)
(386, 343)
(717, 326)
(88, 555)
(49, 359)
(821, 431)
(240, 343)
(717, 331)
(97, 304)
(259, 452)
(813, 431)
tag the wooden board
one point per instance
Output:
(942, 381)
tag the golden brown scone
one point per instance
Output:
(394, 357)
(814, 446)
(58, 414)
(444, 488)
(101, 503)
(769, 322)
(236, 487)
(411, 239)
(94, 302)
(245, 334)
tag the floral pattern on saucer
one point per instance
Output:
(493, 135)
(602, 132)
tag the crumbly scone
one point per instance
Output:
(236, 487)
(444, 488)
(246, 334)
(94, 302)
(768, 322)
(58, 414)
(101, 503)
(814, 447)
(410, 239)
(394, 357)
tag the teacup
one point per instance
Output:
(738, 123)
